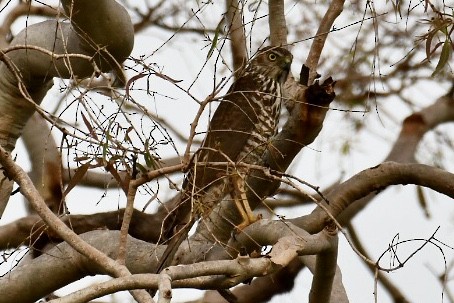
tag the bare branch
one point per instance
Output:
(325, 270)
(417, 124)
(277, 24)
(413, 129)
(46, 162)
(139, 260)
(237, 36)
(261, 289)
(32, 231)
(63, 265)
(131, 195)
(29, 191)
(373, 180)
(334, 10)
(22, 9)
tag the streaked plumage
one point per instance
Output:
(239, 131)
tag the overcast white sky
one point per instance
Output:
(394, 212)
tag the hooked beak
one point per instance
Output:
(285, 65)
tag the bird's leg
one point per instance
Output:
(241, 202)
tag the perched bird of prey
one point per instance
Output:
(239, 132)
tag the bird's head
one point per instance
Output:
(272, 62)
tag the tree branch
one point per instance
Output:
(46, 162)
(32, 231)
(325, 270)
(277, 23)
(16, 173)
(334, 10)
(63, 265)
(55, 271)
(237, 37)
(374, 180)
(106, 41)
(413, 129)
(22, 9)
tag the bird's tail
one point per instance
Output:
(176, 227)
(173, 245)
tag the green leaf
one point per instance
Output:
(141, 168)
(148, 157)
(422, 201)
(430, 36)
(105, 147)
(214, 43)
(345, 149)
(444, 57)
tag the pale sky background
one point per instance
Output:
(394, 212)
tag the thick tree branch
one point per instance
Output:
(26, 72)
(262, 289)
(374, 180)
(283, 235)
(413, 129)
(415, 126)
(338, 293)
(46, 162)
(237, 36)
(111, 267)
(276, 22)
(55, 271)
(325, 270)
(32, 231)
(19, 10)
(63, 265)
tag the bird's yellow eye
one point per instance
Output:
(272, 56)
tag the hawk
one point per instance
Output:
(239, 132)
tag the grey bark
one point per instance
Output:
(99, 30)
